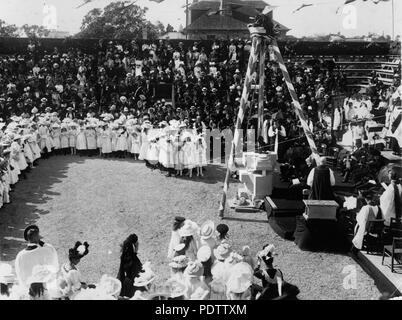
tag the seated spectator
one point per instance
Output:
(368, 212)
(391, 199)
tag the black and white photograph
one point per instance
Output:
(215, 151)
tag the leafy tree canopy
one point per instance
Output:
(8, 30)
(119, 20)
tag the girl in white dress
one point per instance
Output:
(17, 149)
(144, 143)
(45, 143)
(64, 139)
(13, 169)
(163, 152)
(178, 154)
(188, 156)
(55, 133)
(129, 129)
(29, 157)
(99, 136)
(114, 138)
(72, 137)
(107, 141)
(90, 134)
(121, 145)
(200, 154)
(5, 177)
(153, 152)
(136, 141)
(33, 142)
(81, 141)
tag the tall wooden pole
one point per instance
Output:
(261, 90)
(257, 42)
(393, 20)
(186, 18)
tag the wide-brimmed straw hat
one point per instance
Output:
(144, 278)
(176, 288)
(204, 253)
(190, 228)
(109, 285)
(194, 269)
(207, 229)
(222, 251)
(179, 261)
(240, 279)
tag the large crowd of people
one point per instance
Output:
(203, 266)
(105, 104)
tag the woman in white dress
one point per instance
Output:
(81, 140)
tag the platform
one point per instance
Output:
(385, 280)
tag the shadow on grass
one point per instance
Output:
(31, 193)
(28, 196)
(244, 219)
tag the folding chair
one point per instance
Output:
(394, 251)
(373, 238)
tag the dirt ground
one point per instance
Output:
(102, 201)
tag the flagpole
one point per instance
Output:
(186, 19)
(393, 21)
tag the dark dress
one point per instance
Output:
(322, 189)
(130, 267)
(270, 286)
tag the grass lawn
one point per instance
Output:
(102, 201)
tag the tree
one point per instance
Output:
(118, 20)
(169, 28)
(35, 31)
(8, 30)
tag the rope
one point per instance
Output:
(295, 99)
(254, 52)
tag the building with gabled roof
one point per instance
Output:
(224, 19)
